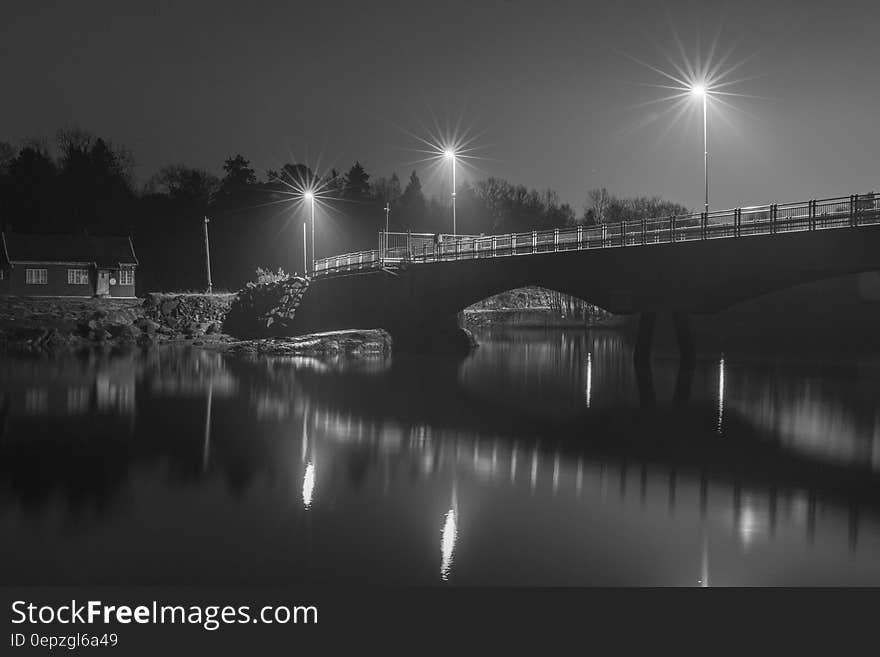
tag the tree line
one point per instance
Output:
(82, 183)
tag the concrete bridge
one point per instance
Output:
(414, 285)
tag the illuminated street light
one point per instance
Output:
(700, 91)
(449, 154)
(703, 80)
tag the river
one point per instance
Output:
(543, 458)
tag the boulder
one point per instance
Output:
(127, 332)
(169, 306)
(265, 309)
(147, 326)
(119, 317)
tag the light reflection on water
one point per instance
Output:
(544, 458)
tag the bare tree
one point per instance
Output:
(596, 207)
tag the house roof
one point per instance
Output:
(103, 250)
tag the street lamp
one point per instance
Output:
(310, 197)
(449, 154)
(700, 91)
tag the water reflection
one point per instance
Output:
(720, 395)
(543, 436)
(308, 484)
(448, 537)
(589, 391)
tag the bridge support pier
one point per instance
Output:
(683, 335)
(644, 338)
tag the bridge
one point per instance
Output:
(414, 285)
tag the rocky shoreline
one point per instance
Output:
(64, 325)
(351, 343)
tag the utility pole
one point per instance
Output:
(387, 212)
(208, 258)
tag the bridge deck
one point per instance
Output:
(824, 214)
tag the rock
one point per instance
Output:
(127, 332)
(169, 306)
(146, 339)
(119, 317)
(54, 339)
(265, 309)
(147, 325)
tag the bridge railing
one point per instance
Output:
(348, 262)
(819, 214)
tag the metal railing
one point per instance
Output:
(822, 214)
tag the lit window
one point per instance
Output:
(77, 276)
(36, 277)
(126, 276)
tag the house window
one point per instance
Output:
(77, 276)
(36, 276)
(126, 276)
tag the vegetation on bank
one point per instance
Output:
(84, 183)
(554, 305)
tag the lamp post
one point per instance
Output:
(305, 251)
(450, 155)
(700, 91)
(310, 197)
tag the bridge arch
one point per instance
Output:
(684, 278)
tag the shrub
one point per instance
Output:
(268, 276)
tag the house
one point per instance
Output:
(67, 266)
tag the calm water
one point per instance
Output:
(544, 459)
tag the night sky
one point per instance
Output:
(552, 88)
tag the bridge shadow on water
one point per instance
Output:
(768, 445)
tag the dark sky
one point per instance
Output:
(550, 85)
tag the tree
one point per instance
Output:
(386, 190)
(293, 179)
(596, 206)
(412, 203)
(602, 207)
(357, 183)
(334, 184)
(94, 182)
(238, 176)
(7, 154)
(185, 185)
(31, 198)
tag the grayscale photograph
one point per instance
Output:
(307, 298)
